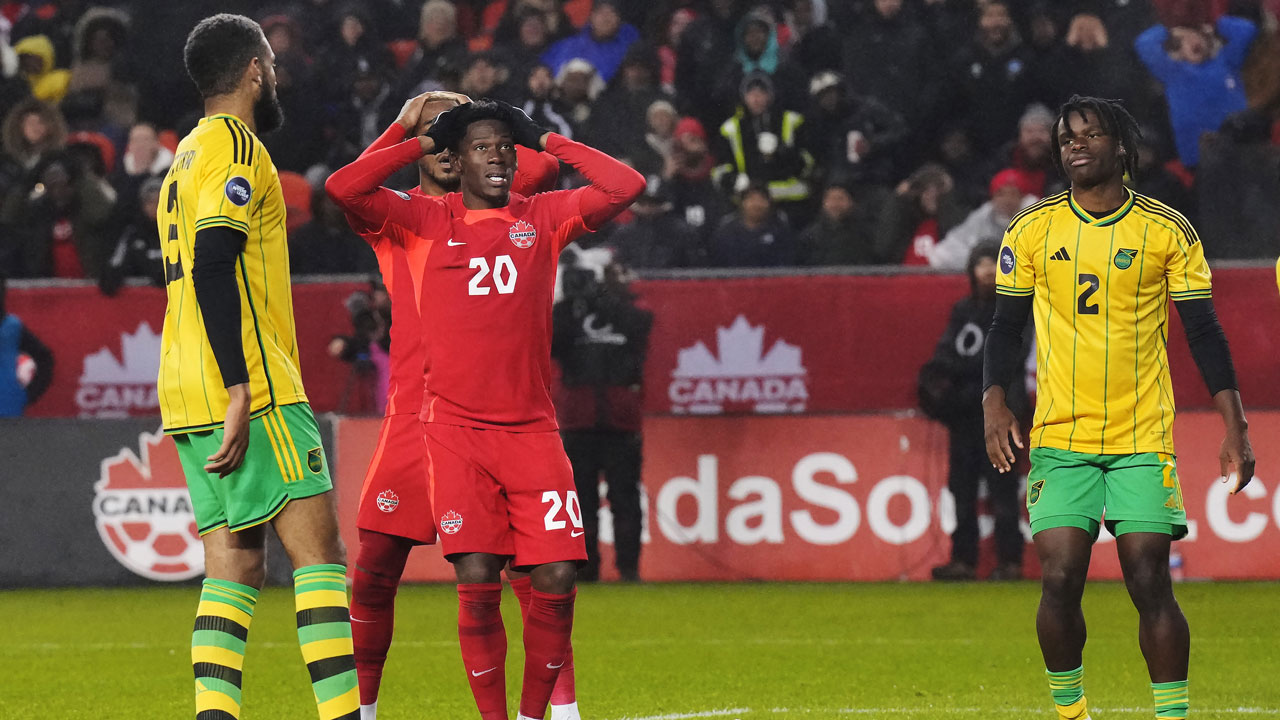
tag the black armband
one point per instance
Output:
(1002, 355)
(1208, 344)
(213, 274)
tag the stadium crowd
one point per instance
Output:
(773, 132)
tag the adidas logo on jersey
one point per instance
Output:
(1060, 255)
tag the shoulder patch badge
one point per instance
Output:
(1006, 260)
(238, 191)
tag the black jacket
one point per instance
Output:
(950, 384)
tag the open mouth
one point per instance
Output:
(498, 178)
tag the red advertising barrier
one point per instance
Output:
(793, 344)
(855, 497)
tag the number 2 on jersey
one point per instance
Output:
(1083, 307)
(570, 505)
(504, 276)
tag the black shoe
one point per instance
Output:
(1007, 571)
(628, 576)
(955, 571)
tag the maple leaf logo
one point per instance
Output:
(450, 523)
(388, 501)
(522, 234)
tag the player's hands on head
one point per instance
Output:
(235, 433)
(447, 127)
(1236, 452)
(411, 113)
(999, 424)
(524, 130)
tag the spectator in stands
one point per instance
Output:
(888, 57)
(816, 44)
(1161, 176)
(950, 390)
(618, 117)
(656, 238)
(989, 80)
(539, 104)
(761, 144)
(144, 155)
(916, 217)
(603, 42)
(704, 49)
(754, 236)
(484, 75)
(600, 337)
(1200, 69)
(367, 349)
(97, 56)
(532, 38)
(138, 251)
(58, 224)
(668, 57)
(657, 154)
(510, 25)
(1032, 153)
(577, 87)
(355, 42)
(25, 378)
(37, 63)
(325, 245)
(366, 111)
(757, 52)
(838, 236)
(439, 49)
(851, 136)
(968, 171)
(303, 145)
(32, 130)
(986, 224)
(696, 198)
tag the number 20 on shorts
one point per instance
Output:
(569, 505)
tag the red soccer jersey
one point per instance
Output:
(537, 172)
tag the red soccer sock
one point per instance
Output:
(379, 565)
(563, 693)
(547, 630)
(483, 641)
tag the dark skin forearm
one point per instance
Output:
(1236, 449)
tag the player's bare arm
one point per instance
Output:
(235, 432)
(1000, 362)
(1000, 429)
(1236, 452)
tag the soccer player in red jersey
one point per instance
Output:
(394, 510)
(501, 485)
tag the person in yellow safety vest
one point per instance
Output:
(761, 144)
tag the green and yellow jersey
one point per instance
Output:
(223, 176)
(1101, 289)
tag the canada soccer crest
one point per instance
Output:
(143, 512)
(522, 234)
(388, 501)
(450, 523)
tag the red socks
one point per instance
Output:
(483, 641)
(378, 568)
(547, 628)
(563, 693)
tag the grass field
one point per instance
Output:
(664, 651)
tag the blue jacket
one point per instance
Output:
(13, 397)
(605, 56)
(1200, 96)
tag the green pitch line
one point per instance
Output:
(664, 652)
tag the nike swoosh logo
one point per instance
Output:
(485, 672)
(356, 619)
(555, 667)
(578, 533)
(451, 243)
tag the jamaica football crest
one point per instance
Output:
(1124, 258)
(1033, 492)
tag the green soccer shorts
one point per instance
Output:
(284, 461)
(1138, 493)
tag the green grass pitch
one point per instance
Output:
(665, 652)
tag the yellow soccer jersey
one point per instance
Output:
(1102, 288)
(222, 176)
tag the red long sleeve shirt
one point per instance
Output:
(484, 278)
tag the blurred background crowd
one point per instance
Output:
(773, 132)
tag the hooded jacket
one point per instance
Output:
(49, 83)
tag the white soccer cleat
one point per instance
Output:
(565, 712)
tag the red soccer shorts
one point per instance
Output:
(504, 493)
(396, 499)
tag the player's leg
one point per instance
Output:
(1065, 501)
(962, 480)
(584, 453)
(622, 462)
(564, 695)
(1145, 511)
(379, 564)
(393, 514)
(235, 568)
(308, 530)
(482, 638)
(547, 529)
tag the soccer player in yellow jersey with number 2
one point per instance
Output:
(230, 391)
(1099, 264)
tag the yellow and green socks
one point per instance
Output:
(217, 647)
(324, 633)
(1067, 689)
(1171, 699)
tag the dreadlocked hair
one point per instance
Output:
(1116, 122)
